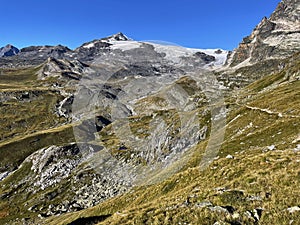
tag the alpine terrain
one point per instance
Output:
(119, 131)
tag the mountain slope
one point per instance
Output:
(48, 151)
(246, 184)
(273, 38)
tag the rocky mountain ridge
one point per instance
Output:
(276, 37)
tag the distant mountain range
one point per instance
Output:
(274, 37)
(106, 47)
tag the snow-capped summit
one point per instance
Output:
(8, 50)
(117, 37)
(105, 42)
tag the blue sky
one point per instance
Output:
(190, 23)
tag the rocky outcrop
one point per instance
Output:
(57, 167)
(287, 10)
(63, 68)
(206, 58)
(274, 38)
(53, 164)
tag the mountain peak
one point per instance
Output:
(8, 50)
(117, 37)
(275, 37)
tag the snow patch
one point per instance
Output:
(124, 45)
(91, 45)
(220, 57)
(174, 53)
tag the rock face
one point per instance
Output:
(8, 50)
(273, 38)
(63, 68)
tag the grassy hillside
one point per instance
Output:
(254, 180)
(28, 118)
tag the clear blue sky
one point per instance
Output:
(190, 23)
